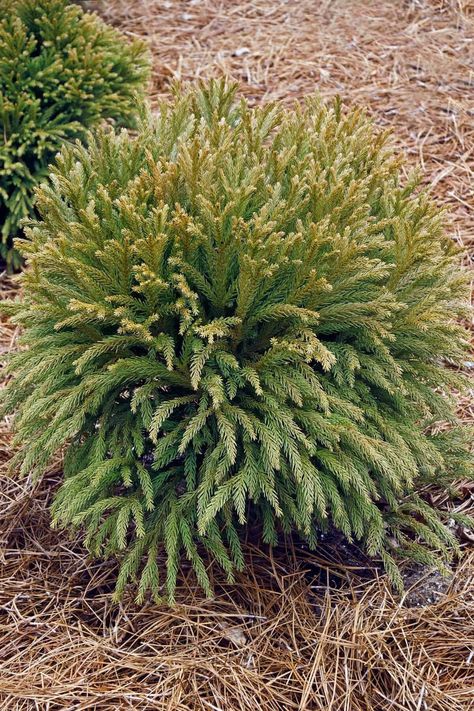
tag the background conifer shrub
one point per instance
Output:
(239, 312)
(61, 71)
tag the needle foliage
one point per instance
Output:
(61, 72)
(239, 312)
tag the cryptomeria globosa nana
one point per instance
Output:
(239, 311)
(62, 71)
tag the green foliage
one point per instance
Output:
(238, 311)
(61, 71)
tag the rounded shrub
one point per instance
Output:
(61, 71)
(239, 315)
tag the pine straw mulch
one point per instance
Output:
(297, 631)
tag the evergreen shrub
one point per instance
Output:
(61, 72)
(239, 312)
